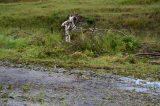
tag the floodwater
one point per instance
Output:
(60, 87)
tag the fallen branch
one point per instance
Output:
(151, 54)
(119, 32)
(154, 62)
(94, 30)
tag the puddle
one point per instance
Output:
(139, 85)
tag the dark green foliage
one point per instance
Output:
(90, 20)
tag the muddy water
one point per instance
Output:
(60, 87)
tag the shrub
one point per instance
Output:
(107, 43)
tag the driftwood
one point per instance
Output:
(155, 62)
(148, 54)
(154, 55)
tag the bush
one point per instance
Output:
(107, 43)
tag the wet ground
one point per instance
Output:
(37, 86)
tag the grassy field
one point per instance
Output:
(26, 35)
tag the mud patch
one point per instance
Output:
(39, 86)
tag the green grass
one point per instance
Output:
(25, 32)
(112, 57)
(9, 42)
(39, 98)
(26, 87)
(109, 13)
(1, 87)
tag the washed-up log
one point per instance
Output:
(155, 62)
(148, 54)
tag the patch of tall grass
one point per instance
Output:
(43, 46)
(106, 43)
(33, 52)
(10, 43)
